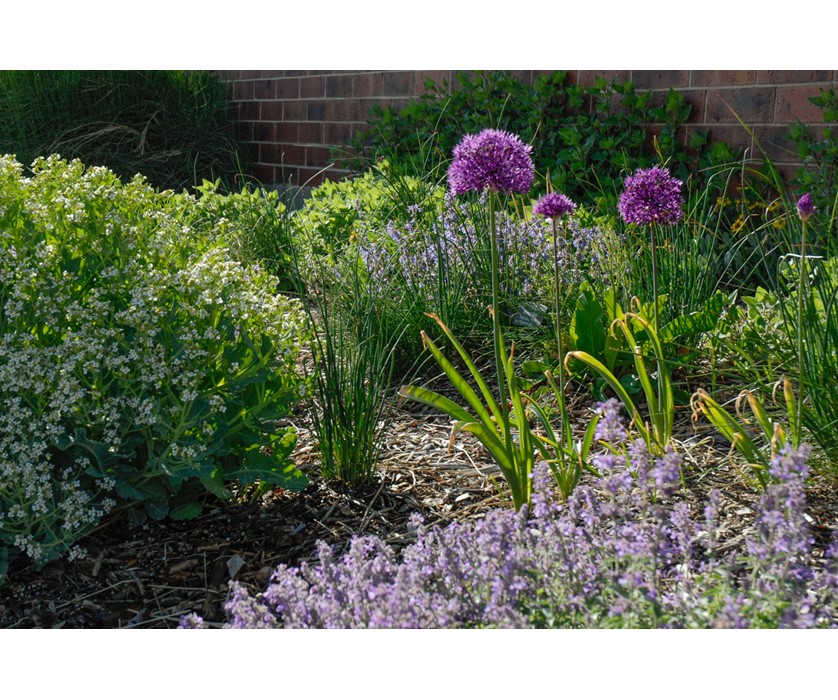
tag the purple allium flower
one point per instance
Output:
(651, 196)
(805, 207)
(554, 206)
(494, 159)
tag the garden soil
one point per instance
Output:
(148, 576)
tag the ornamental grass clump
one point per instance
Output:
(622, 552)
(140, 364)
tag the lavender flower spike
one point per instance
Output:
(805, 207)
(491, 159)
(651, 196)
(554, 206)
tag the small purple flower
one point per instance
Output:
(494, 159)
(610, 427)
(651, 196)
(805, 207)
(554, 206)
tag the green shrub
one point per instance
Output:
(255, 223)
(140, 365)
(584, 138)
(819, 173)
(171, 126)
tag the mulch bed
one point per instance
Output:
(147, 577)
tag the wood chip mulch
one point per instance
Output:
(148, 577)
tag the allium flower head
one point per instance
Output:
(805, 207)
(554, 206)
(651, 196)
(494, 159)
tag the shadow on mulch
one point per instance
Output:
(147, 577)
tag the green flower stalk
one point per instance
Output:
(652, 197)
(498, 162)
(556, 206)
(805, 209)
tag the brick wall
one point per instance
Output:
(289, 120)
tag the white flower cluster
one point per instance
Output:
(114, 321)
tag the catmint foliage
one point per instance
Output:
(444, 249)
(625, 551)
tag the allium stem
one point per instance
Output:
(800, 296)
(558, 283)
(655, 281)
(655, 311)
(496, 330)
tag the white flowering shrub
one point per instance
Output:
(140, 365)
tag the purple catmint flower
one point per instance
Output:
(667, 472)
(554, 206)
(191, 621)
(789, 465)
(651, 196)
(492, 159)
(613, 554)
(610, 427)
(805, 207)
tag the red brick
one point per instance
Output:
(775, 142)
(244, 131)
(339, 86)
(294, 110)
(398, 84)
(313, 87)
(287, 132)
(243, 90)
(291, 154)
(317, 156)
(368, 84)
(793, 105)
(722, 78)
(265, 89)
(310, 133)
(271, 74)
(270, 111)
(269, 153)
(337, 134)
(249, 74)
(264, 132)
(288, 88)
(316, 110)
(345, 110)
(752, 105)
(248, 111)
(776, 77)
(659, 79)
(264, 173)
